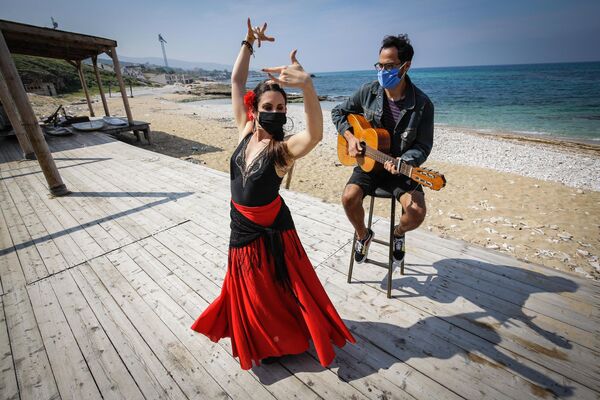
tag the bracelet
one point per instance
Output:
(249, 46)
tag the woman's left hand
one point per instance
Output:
(292, 75)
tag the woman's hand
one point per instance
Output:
(258, 33)
(290, 75)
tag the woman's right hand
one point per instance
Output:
(258, 33)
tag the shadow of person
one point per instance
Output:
(434, 338)
(381, 345)
(454, 279)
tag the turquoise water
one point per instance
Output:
(560, 100)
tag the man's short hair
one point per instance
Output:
(400, 42)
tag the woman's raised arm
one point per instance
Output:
(239, 76)
(294, 75)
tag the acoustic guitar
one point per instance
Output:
(376, 143)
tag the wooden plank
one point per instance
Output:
(501, 284)
(133, 204)
(107, 233)
(40, 236)
(317, 255)
(69, 367)
(435, 297)
(464, 286)
(34, 374)
(150, 375)
(31, 263)
(174, 283)
(398, 374)
(175, 274)
(440, 350)
(517, 305)
(75, 243)
(189, 375)
(162, 291)
(8, 377)
(433, 345)
(109, 373)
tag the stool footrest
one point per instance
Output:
(377, 263)
(383, 242)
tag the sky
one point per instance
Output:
(333, 35)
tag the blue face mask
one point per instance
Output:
(390, 79)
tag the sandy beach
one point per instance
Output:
(535, 199)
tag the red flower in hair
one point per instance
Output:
(249, 103)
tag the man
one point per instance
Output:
(394, 103)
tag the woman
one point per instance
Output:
(272, 302)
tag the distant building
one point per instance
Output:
(170, 79)
(134, 71)
(163, 79)
(42, 88)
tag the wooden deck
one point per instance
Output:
(99, 289)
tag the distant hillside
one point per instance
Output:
(186, 65)
(63, 75)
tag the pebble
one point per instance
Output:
(565, 236)
(583, 252)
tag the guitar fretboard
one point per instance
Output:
(382, 158)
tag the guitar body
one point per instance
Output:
(376, 138)
(376, 143)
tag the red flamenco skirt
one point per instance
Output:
(261, 317)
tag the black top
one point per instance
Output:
(256, 184)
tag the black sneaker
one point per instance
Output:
(399, 242)
(361, 248)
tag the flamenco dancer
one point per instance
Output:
(272, 303)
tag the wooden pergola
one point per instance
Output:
(18, 38)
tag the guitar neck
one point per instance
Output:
(382, 158)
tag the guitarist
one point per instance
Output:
(392, 102)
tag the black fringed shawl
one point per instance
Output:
(244, 231)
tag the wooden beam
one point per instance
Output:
(15, 30)
(117, 67)
(85, 88)
(99, 81)
(54, 51)
(34, 132)
(15, 120)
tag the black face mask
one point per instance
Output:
(273, 123)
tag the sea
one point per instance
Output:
(559, 101)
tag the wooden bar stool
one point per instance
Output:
(380, 194)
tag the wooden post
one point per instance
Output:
(15, 120)
(84, 86)
(99, 80)
(117, 66)
(34, 132)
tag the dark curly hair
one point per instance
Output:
(401, 43)
(266, 86)
(277, 147)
